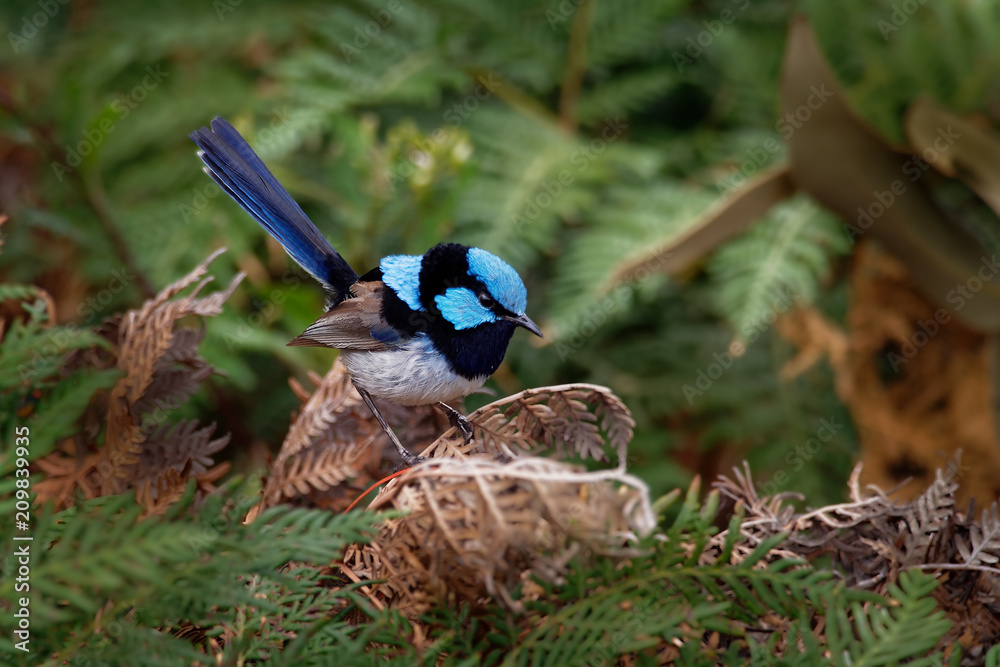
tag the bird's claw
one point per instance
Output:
(463, 425)
(409, 463)
(459, 421)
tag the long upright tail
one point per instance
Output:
(232, 164)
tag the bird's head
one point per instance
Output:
(467, 287)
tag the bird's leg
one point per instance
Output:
(458, 420)
(408, 458)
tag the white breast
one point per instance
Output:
(413, 374)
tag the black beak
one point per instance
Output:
(525, 321)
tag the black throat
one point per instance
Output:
(475, 352)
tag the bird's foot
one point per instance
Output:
(409, 462)
(459, 421)
(464, 426)
(409, 459)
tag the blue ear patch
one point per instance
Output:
(500, 279)
(461, 307)
(402, 274)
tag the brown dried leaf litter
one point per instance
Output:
(479, 518)
(160, 370)
(870, 538)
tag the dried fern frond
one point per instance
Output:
(871, 539)
(480, 517)
(476, 526)
(179, 446)
(146, 345)
(335, 439)
(319, 470)
(580, 420)
(982, 547)
(927, 517)
(161, 369)
(66, 470)
(157, 494)
(334, 393)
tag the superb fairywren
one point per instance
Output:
(416, 330)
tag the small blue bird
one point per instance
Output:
(416, 330)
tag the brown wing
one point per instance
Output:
(355, 323)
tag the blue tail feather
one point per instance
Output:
(232, 164)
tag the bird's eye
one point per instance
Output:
(486, 300)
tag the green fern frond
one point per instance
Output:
(625, 94)
(628, 228)
(884, 66)
(619, 28)
(57, 412)
(778, 263)
(31, 354)
(515, 200)
(173, 568)
(17, 292)
(910, 625)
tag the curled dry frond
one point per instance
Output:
(582, 420)
(476, 526)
